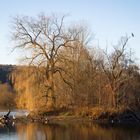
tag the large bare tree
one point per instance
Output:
(44, 39)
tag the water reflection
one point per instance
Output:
(34, 131)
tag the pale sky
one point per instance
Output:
(108, 20)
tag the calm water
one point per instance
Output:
(15, 112)
(34, 131)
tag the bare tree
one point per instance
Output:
(115, 67)
(44, 39)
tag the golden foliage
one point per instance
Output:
(6, 96)
(28, 89)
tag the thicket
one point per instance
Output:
(66, 72)
(93, 79)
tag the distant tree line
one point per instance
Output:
(5, 70)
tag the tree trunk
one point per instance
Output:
(114, 100)
(50, 93)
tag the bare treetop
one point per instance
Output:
(44, 36)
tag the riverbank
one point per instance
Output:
(98, 115)
(78, 115)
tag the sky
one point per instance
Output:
(107, 19)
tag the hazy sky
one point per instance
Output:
(108, 20)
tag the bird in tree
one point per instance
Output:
(132, 35)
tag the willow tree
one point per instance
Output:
(44, 38)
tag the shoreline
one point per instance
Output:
(126, 117)
(71, 120)
(69, 116)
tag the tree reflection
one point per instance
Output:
(76, 132)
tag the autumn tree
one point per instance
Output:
(44, 38)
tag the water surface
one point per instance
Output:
(15, 112)
(89, 131)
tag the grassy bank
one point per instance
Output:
(99, 115)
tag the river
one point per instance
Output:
(88, 131)
(66, 131)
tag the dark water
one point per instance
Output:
(34, 131)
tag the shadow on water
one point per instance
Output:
(34, 131)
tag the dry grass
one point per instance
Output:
(97, 112)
